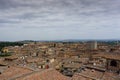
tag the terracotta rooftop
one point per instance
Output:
(88, 74)
(78, 77)
(110, 76)
(108, 56)
(72, 65)
(95, 75)
(29, 60)
(12, 72)
(11, 57)
(49, 74)
(2, 63)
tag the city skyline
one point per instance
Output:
(59, 19)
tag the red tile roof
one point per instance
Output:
(13, 72)
(49, 74)
(108, 56)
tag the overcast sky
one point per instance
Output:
(59, 19)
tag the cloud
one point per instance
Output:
(70, 17)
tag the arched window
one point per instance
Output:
(113, 63)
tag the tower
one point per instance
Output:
(92, 45)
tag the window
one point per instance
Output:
(113, 63)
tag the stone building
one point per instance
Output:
(112, 61)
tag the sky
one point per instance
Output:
(59, 19)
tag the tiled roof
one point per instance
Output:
(49, 74)
(13, 72)
(12, 57)
(108, 56)
(95, 75)
(78, 77)
(110, 76)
